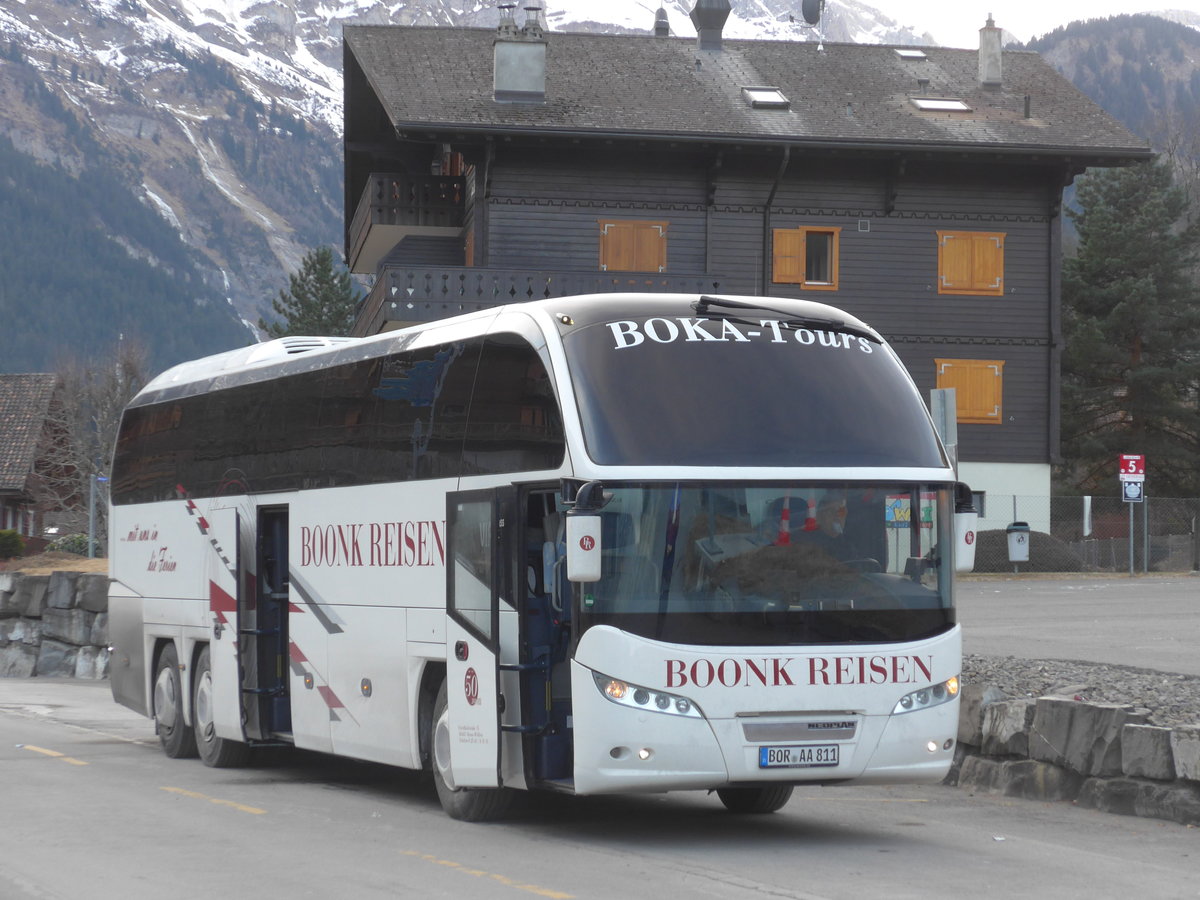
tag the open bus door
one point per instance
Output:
(224, 657)
(480, 526)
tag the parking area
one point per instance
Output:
(1151, 622)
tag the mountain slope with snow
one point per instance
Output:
(223, 117)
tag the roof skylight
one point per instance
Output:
(905, 53)
(940, 104)
(766, 98)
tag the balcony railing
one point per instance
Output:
(410, 203)
(409, 294)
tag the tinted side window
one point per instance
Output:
(363, 422)
(515, 424)
(421, 400)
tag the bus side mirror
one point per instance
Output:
(583, 547)
(966, 518)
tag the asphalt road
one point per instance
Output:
(1151, 622)
(92, 808)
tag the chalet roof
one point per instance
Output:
(24, 406)
(841, 95)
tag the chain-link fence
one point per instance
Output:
(1091, 534)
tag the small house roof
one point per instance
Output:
(24, 408)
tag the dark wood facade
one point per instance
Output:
(535, 200)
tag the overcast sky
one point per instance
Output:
(956, 23)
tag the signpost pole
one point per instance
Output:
(1131, 469)
(1146, 536)
(1130, 505)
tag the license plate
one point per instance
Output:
(797, 757)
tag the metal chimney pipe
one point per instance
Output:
(662, 27)
(709, 18)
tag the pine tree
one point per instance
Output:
(320, 299)
(1131, 317)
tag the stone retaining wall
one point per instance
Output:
(1097, 755)
(53, 625)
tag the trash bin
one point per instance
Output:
(1018, 542)
(966, 517)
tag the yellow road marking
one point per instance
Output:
(54, 753)
(870, 799)
(195, 795)
(480, 873)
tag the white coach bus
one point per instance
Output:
(596, 544)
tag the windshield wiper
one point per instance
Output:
(702, 307)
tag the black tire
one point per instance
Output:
(174, 733)
(757, 800)
(464, 804)
(217, 752)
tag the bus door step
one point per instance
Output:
(541, 665)
(563, 785)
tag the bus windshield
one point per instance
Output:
(705, 391)
(774, 564)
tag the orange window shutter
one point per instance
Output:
(955, 261)
(612, 251)
(989, 263)
(650, 248)
(978, 388)
(633, 246)
(788, 256)
(970, 262)
(622, 250)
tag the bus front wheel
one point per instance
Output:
(464, 804)
(173, 732)
(217, 752)
(767, 799)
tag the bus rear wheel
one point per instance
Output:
(464, 804)
(174, 733)
(217, 752)
(768, 799)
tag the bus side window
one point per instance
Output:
(514, 423)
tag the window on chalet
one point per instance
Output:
(633, 246)
(978, 388)
(806, 256)
(971, 263)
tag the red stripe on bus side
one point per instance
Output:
(220, 601)
(331, 699)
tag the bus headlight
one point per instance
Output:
(927, 697)
(637, 697)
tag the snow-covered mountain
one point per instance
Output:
(224, 116)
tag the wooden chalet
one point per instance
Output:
(918, 188)
(25, 432)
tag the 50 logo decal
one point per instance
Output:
(471, 687)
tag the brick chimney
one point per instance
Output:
(990, 68)
(709, 18)
(519, 57)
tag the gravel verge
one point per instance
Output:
(1172, 699)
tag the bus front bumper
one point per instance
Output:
(621, 749)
